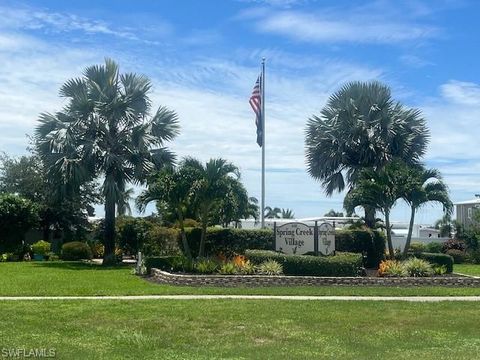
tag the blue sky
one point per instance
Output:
(203, 58)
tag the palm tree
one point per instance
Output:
(253, 210)
(420, 187)
(445, 225)
(287, 214)
(272, 213)
(172, 188)
(361, 127)
(123, 204)
(234, 205)
(105, 130)
(210, 187)
(380, 190)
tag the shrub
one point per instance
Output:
(270, 267)
(439, 270)
(206, 266)
(417, 247)
(8, 257)
(391, 268)
(17, 216)
(342, 264)
(246, 268)
(160, 262)
(132, 232)
(365, 241)
(98, 250)
(51, 256)
(161, 241)
(438, 259)
(418, 267)
(188, 223)
(228, 268)
(474, 256)
(41, 247)
(76, 250)
(457, 255)
(434, 247)
(453, 244)
(230, 241)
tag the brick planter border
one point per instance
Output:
(164, 277)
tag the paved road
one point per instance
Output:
(247, 297)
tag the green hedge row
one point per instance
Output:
(342, 264)
(437, 259)
(230, 241)
(161, 262)
(371, 243)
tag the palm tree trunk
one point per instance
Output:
(391, 252)
(201, 252)
(369, 216)
(186, 247)
(109, 240)
(410, 230)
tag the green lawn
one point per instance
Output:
(69, 278)
(468, 269)
(243, 329)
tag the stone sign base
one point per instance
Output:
(164, 277)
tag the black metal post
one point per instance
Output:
(315, 239)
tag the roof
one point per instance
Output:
(468, 202)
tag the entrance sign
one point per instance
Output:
(297, 238)
(294, 238)
(326, 239)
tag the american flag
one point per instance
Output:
(256, 104)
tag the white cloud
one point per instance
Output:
(461, 92)
(372, 23)
(30, 18)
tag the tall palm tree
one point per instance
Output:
(287, 214)
(172, 187)
(420, 187)
(272, 213)
(380, 190)
(105, 130)
(210, 187)
(361, 127)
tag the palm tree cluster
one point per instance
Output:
(372, 146)
(211, 192)
(381, 189)
(362, 127)
(277, 213)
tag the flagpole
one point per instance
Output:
(263, 143)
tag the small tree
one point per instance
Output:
(380, 190)
(17, 216)
(210, 188)
(421, 186)
(172, 188)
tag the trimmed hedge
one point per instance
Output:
(437, 259)
(229, 241)
(372, 243)
(342, 264)
(160, 262)
(76, 250)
